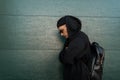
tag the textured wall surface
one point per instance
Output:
(30, 43)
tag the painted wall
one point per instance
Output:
(30, 43)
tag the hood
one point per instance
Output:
(73, 24)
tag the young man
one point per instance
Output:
(75, 55)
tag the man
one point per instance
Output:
(75, 55)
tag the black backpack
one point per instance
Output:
(98, 56)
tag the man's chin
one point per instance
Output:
(66, 37)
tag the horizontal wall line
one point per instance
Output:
(56, 49)
(29, 49)
(59, 16)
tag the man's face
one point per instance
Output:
(63, 31)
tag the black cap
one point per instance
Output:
(70, 21)
(61, 21)
(73, 24)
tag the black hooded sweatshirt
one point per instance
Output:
(75, 55)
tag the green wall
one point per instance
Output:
(30, 43)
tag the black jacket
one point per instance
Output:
(76, 58)
(75, 55)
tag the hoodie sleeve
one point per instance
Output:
(75, 47)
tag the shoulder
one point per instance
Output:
(83, 36)
(78, 41)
